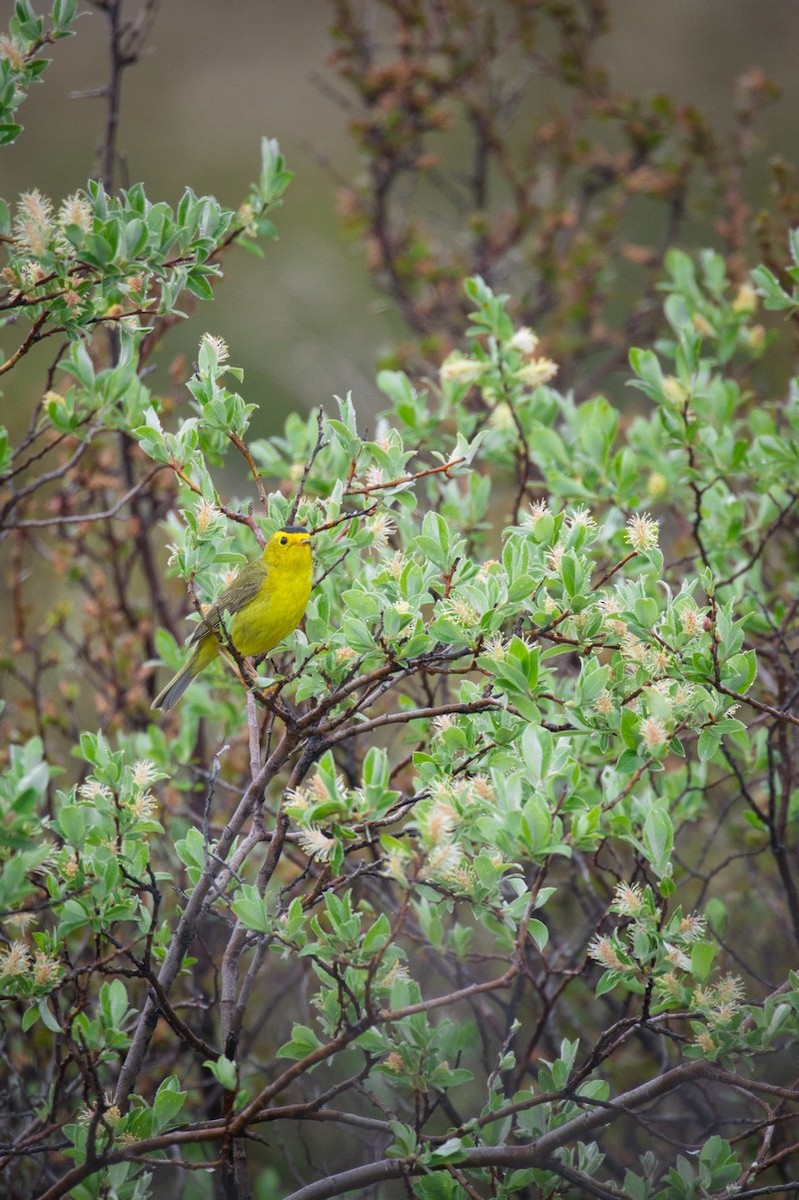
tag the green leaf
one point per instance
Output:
(72, 915)
(739, 671)
(437, 1186)
(303, 1042)
(377, 935)
(252, 909)
(634, 1186)
(658, 833)
(702, 956)
(114, 1002)
(716, 913)
(647, 368)
(169, 1100)
(404, 1143)
(224, 1071)
(718, 1166)
(49, 1019)
(538, 932)
(708, 744)
(452, 1150)
(72, 823)
(536, 823)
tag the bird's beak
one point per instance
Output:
(305, 541)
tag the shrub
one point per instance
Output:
(487, 885)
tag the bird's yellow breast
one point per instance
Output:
(274, 611)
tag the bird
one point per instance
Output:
(264, 602)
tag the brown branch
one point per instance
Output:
(244, 451)
(34, 336)
(779, 713)
(205, 890)
(318, 447)
(232, 515)
(443, 468)
(415, 714)
(79, 519)
(538, 1153)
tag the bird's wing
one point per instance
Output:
(241, 591)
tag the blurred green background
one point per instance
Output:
(307, 322)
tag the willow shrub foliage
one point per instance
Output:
(495, 140)
(488, 887)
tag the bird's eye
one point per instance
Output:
(284, 541)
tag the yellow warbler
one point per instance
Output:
(263, 604)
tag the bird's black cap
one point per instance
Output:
(294, 529)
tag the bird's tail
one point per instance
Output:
(203, 654)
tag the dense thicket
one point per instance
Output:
(488, 885)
